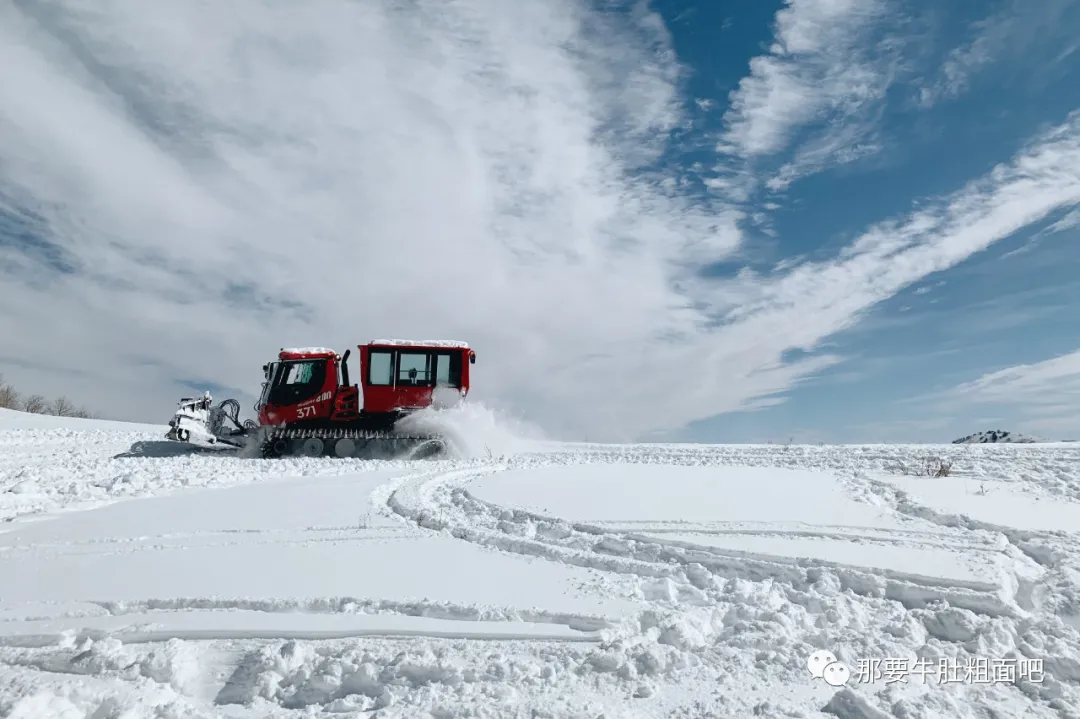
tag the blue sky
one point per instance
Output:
(1014, 304)
(838, 220)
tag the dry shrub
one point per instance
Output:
(35, 404)
(62, 407)
(937, 467)
(9, 398)
(931, 467)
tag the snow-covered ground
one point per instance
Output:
(532, 580)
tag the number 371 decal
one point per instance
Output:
(309, 410)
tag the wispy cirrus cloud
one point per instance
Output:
(1054, 382)
(829, 68)
(1043, 396)
(1069, 221)
(1043, 178)
(760, 318)
(840, 145)
(1030, 33)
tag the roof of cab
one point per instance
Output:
(450, 344)
(305, 352)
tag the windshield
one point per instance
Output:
(297, 381)
(270, 371)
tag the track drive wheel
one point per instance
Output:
(311, 447)
(344, 448)
(274, 447)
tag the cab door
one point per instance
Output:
(415, 378)
(378, 367)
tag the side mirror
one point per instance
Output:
(472, 358)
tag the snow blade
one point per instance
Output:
(197, 422)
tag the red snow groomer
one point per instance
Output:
(308, 406)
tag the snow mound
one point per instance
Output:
(993, 436)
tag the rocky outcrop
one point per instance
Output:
(996, 435)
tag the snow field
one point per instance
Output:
(533, 580)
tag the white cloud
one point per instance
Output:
(824, 63)
(759, 318)
(1028, 32)
(838, 146)
(234, 177)
(1052, 383)
(820, 298)
(955, 73)
(1069, 221)
(904, 430)
(1042, 397)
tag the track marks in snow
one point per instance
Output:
(397, 678)
(1055, 589)
(318, 605)
(722, 606)
(720, 632)
(683, 571)
(45, 470)
(363, 606)
(202, 618)
(218, 538)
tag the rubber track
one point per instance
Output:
(368, 436)
(343, 434)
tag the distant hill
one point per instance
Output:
(12, 419)
(997, 435)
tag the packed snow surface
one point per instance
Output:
(532, 579)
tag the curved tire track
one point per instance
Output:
(440, 502)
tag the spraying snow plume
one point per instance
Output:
(475, 430)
